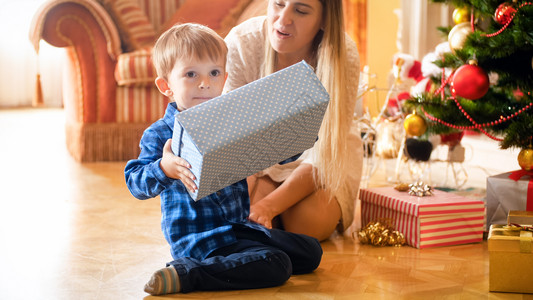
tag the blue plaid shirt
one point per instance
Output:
(193, 229)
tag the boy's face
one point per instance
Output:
(194, 81)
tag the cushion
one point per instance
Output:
(159, 11)
(219, 15)
(135, 29)
(135, 68)
(254, 9)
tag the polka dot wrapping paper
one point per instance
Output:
(250, 128)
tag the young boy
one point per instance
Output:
(214, 245)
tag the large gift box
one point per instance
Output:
(442, 219)
(510, 260)
(250, 128)
(506, 192)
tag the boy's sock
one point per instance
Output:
(164, 281)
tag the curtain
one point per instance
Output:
(19, 62)
(355, 22)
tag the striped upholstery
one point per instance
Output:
(135, 68)
(137, 98)
(134, 26)
(219, 15)
(159, 11)
(139, 104)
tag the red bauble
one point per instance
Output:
(504, 13)
(470, 82)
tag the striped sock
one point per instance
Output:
(164, 281)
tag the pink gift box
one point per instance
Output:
(442, 219)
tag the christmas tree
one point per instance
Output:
(486, 82)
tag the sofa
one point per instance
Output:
(109, 94)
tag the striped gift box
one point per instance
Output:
(443, 219)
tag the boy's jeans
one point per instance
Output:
(255, 261)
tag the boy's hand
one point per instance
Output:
(261, 214)
(176, 167)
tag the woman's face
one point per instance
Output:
(293, 24)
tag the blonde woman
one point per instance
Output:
(314, 195)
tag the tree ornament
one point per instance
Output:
(525, 159)
(518, 94)
(458, 34)
(461, 15)
(415, 125)
(504, 13)
(419, 150)
(470, 81)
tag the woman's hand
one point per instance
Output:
(261, 214)
(176, 167)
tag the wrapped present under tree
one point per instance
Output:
(442, 219)
(506, 192)
(510, 259)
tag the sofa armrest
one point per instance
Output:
(62, 8)
(92, 42)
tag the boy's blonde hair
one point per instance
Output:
(329, 50)
(186, 41)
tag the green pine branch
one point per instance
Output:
(507, 57)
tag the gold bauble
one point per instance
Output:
(461, 15)
(525, 159)
(458, 34)
(415, 125)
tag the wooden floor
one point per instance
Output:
(73, 231)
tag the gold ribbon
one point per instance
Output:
(526, 236)
(380, 233)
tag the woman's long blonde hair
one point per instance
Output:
(331, 153)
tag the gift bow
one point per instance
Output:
(526, 236)
(517, 175)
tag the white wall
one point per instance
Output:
(419, 19)
(406, 26)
